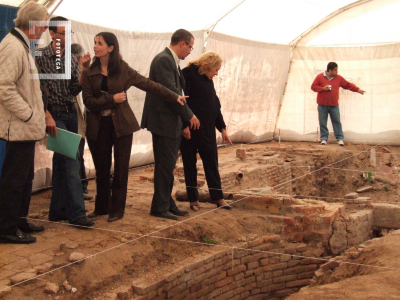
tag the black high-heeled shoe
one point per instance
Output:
(226, 206)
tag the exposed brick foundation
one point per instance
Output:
(278, 272)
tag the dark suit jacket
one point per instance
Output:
(123, 118)
(159, 117)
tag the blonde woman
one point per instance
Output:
(204, 103)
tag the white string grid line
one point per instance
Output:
(184, 241)
(180, 222)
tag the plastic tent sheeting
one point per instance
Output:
(244, 80)
(370, 119)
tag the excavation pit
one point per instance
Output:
(288, 221)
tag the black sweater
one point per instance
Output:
(203, 100)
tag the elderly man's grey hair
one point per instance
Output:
(30, 11)
(76, 50)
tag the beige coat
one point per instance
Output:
(22, 115)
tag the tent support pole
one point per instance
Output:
(210, 29)
(58, 4)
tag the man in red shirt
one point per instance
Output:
(327, 86)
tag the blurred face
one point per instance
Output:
(213, 71)
(59, 36)
(40, 29)
(185, 49)
(333, 73)
(101, 49)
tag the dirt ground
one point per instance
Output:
(139, 244)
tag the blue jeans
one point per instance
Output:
(67, 202)
(334, 113)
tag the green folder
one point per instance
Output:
(66, 143)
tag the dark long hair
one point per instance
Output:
(115, 60)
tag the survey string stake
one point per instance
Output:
(279, 138)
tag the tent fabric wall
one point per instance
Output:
(249, 85)
(365, 22)
(371, 118)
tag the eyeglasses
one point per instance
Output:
(63, 33)
(191, 48)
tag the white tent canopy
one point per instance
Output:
(272, 51)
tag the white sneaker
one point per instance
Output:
(323, 142)
(340, 142)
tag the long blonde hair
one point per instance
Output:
(206, 61)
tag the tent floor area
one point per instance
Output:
(308, 222)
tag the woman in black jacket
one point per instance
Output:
(204, 103)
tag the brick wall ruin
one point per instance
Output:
(273, 269)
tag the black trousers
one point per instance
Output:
(209, 155)
(82, 170)
(165, 155)
(16, 185)
(111, 203)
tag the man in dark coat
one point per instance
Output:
(164, 121)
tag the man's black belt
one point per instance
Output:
(61, 108)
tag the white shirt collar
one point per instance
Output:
(27, 40)
(177, 60)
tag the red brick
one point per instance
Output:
(277, 273)
(196, 280)
(250, 280)
(187, 276)
(176, 290)
(238, 291)
(219, 277)
(238, 276)
(274, 259)
(181, 296)
(301, 282)
(330, 265)
(223, 282)
(284, 278)
(306, 275)
(275, 267)
(296, 237)
(143, 290)
(240, 283)
(272, 238)
(253, 265)
(264, 247)
(285, 257)
(300, 269)
(236, 270)
(273, 288)
(251, 258)
(285, 293)
(225, 296)
(258, 271)
(240, 253)
(255, 243)
(300, 209)
(251, 286)
(199, 286)
(245, 295)
(222, 261)
(255, 291)
(263, 283)
(206, 290)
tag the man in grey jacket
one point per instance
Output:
(164, 121)
(22, 122)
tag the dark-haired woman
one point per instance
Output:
(111, 122)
